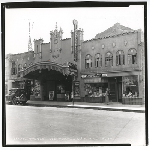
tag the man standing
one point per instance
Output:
(107, 96)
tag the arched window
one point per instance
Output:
(88, 61)
(120, 58)
(25, 66)
(98, 60)
(108, 59)
(132, 56)
(19, 67)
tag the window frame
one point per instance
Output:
(120, 58)
(109, 59)
(88, 57)
(25, 66)
(19, 67)
(132, 56)
(13, 68)
(98, 60)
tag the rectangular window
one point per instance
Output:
(117, 60)
(101, 62)
(97, 63)
(123, 59)
(134, 59)
(40, 55)
(87, 63)
(37, 49)
(129, 59)
(108, 61)
(13, 69)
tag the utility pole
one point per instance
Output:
(75, 23)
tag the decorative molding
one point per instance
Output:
(103, 46)
(125, 42)
(93, 47)
(113, 44)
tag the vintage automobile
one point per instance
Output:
(16, 96)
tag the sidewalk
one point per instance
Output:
(85, 105)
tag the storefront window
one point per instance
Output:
(95, 89)
(130, 86)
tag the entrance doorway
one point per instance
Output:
(115, 87)
(112, 88)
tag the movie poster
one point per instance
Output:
(76, 89)
(51, 95)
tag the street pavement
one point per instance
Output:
(53, 125)
(112, 106)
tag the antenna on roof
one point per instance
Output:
(29, 42)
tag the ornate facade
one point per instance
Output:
(110, 60)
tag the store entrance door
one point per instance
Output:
(119, 92)
(112, 87)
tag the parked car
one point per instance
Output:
(16, 96)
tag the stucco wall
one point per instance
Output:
(45, 51)
(132, 42)
(22, 58)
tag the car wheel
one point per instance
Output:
(14, 101)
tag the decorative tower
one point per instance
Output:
(56, 42)
(29, 42)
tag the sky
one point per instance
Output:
(43, 20)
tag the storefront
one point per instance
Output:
(94, 88)
(122, 89)
(131, 90)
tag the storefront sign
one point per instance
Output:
(104, 75)
(94, 80)
(91, 76)
(76, 89)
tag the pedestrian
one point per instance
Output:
(107, 96)
(72, 98)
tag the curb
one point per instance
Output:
(94, 108)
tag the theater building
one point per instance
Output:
(53, 70)
(114, 60)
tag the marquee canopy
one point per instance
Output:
(64, 69)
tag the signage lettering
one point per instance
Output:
(91, 76)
